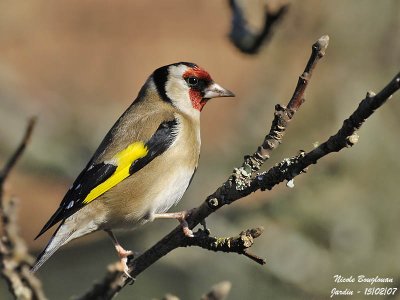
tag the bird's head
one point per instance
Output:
(187, 86)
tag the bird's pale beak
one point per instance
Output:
(214, 90)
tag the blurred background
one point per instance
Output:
(79, 64)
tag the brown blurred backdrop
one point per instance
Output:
(79, 64)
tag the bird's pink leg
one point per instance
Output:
(181, 217)
(122, 253)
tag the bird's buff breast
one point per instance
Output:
(153, 189)
(137, 205)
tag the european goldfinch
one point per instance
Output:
(144, 164)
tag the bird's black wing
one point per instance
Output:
(96, 179)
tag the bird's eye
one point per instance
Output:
(192, 81)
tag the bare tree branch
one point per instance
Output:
(18, 153)
(246, 39)
(236, 187)
(15, 261)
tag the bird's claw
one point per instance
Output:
(185, 226)
(124, 257)
(186, 230)
(125, 268)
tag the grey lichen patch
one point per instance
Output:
(246, 240)
(217, 243)
(242, 178)
(245, 170)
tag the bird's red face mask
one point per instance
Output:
(202, 88)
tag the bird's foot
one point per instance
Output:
(124, 257)
(185, 228)
(181, 217)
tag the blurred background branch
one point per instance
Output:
(15, 261)
(247, 39)
(17, 154)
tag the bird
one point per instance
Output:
(144, 164)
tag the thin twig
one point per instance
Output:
(237, 244)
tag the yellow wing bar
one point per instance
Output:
(123, 160)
